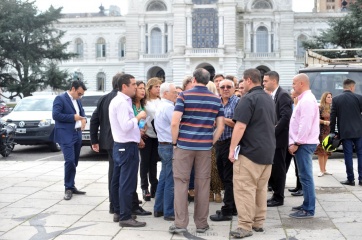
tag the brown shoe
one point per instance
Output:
(218, 198)
(211, 197)
(241, 233)
(131, 223)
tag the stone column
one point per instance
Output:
(142, 26)
(221, 31)
(170, 37)
(189, 31)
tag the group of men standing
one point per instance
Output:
(263, 126)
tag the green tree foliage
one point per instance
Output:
(30, 48)
(345, 32)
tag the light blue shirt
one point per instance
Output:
(163, 118)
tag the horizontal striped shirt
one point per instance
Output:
(200, 108)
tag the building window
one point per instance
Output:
(330, 1)
(101, 79)
(156, 41)
(156, 6)
(262, 4)
(262, 39)
(79, 48)
(205, 28)
(122, 47)
(101, 48)
(204, 1)
(300, 48)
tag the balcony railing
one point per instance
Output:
(154, 56)
(262, 55)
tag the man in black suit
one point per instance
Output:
(283, 109)
(100, 119)
(346, 111)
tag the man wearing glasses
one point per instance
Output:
(70, 121)
(224, 166)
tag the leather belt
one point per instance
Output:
(77, 129)
(165, 143)
(224, 141)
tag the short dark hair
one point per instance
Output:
(273, 74)
(217, 75)
(348, 82)
(253, 74)
(201, 75)
(178, 87)
(230, 77)
(124, 79)
(115, 79)
(77, 84)
(240, 81)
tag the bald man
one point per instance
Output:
(303, 140)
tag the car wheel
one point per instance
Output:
(54, 147)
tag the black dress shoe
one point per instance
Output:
(235, 213)
(68, 194)
(157, 214)
(139, 202)
(153, 192)
(298, 193)
(169, 218)
(274, 203)
(76, 191)
(293, 189)
(141, 212)
(347, 182)
(146, 195)
(218, 217)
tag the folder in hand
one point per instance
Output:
(236, 152)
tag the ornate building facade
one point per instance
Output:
(171, 38)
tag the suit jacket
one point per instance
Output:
(100, 119)
(346, 111)
(284, 110)
(63, 114)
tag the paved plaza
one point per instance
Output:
(32, 207)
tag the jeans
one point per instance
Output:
(165, 187)
(303, 158)
(348, 156)
(124, 179)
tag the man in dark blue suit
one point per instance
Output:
(70, 120)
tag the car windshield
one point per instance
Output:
(332, 81)
(90, 101)
(32, 104)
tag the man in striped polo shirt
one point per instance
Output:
(193, 135)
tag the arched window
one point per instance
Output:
(300, 48)
(262, 39)
(122, 48)
(156, 41)
(101, 48)
(101, 79)
(79, 48)
(156, 6)
(262, 4)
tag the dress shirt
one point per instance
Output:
(274, 92)
(163, 118)
(304, 123)
(78, 123)
(124, 125)
(229, 113)
(151, 107)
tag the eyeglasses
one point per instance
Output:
(227, 86)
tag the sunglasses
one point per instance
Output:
(228, 87)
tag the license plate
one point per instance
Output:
(21, 130)
(85, 137)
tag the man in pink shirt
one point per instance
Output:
(303, 140)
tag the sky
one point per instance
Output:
(82, 6)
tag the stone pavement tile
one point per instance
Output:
(19, 213)
(24, 175)
(56, 187)
(7, 223)
(31, 203)
(10, 198)
(104, 206)
(350, 229)
(14, 180)
(97, 216)
(4, 204)
(323, 233)
(69, 209)
(88, 176)
(35, 183)
(345, 206)
(337, 197)
(97, 189)
(358, 195)
(83, 237)
(95, 228)
(30, 232)
(5, 173)
(345, 217)
(52, 220)
(83, 200)
(46, 195)
(139, 233)
(20, 190)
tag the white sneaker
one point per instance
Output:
(320, 174)
(327, 173)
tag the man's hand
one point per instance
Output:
(231, 156)
(77, 117)
(84, 122)
(95, 147)
(292, 149)
(141, 115)
(141, 144)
